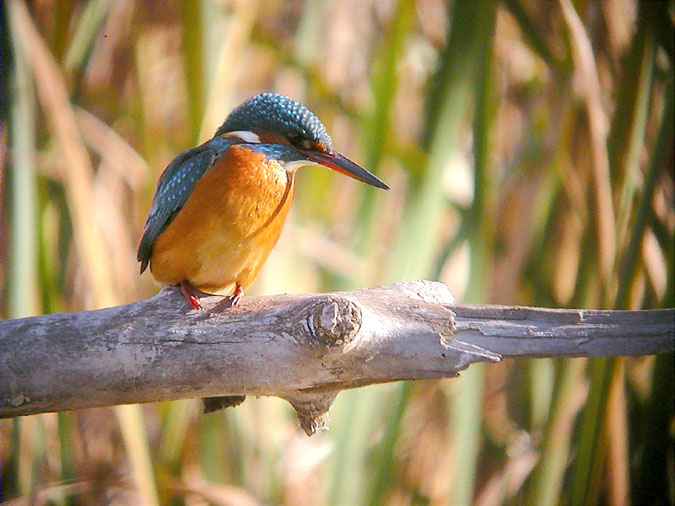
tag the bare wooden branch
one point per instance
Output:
(303, 348)
(534, 332)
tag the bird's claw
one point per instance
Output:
(228, 302)
(190, 296)
(194, 302)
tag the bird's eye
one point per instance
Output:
(301, 142)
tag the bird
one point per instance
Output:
(219, 208)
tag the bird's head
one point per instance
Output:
(270, 118)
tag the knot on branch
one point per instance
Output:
(334, 321)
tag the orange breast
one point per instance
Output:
(229, 225)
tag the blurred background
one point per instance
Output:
(529, 147)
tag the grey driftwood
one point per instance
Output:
(303, 348)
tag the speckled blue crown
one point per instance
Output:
(271, 112)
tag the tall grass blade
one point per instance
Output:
(212, 454)
(22, 295)
(63, 11)
(542, 382)
(467, 391)
(586, 72)
(88, 29)
(656, 168)
(592, 447)
(625, 145)
(630, 121)
(384, 83)
(654, 481)
(546, 488)
(67, 453)
(193, 61)
(176, 424)
(353, 415)
(222, 55)
(481, 230)
(528, 27)
(384, 459)
(135, 437)
(413, 252)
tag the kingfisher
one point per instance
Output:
(219, 208)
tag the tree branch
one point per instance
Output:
(303, 348)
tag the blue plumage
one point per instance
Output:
(271, 112)
(174, 188)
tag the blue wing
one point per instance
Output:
(174, 188)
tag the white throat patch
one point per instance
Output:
(244, 136)
(295, 165)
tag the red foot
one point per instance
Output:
(229, 301)
(190, 295)
(236, 295)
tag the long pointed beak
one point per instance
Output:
(344, 165)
